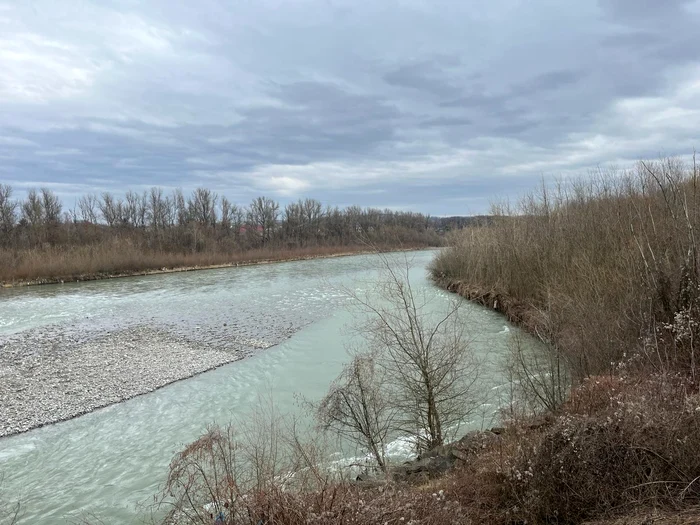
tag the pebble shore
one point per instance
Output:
(53, 375)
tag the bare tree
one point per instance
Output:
(8, 209)
(231, 217)
(157, 209)
(88, 206)
(142, 210)
(203, 206)
(357, 409)
(312, 213)
(419, 339)
(302, 220)
(111, 209)
(540, 376)
(237, 217)
(131, 208)
(293, 222)
(33, 209)
(52, 207)
(226, 212)
(181, 211)
(263, 214)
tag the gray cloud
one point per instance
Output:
(427, 76)
(435, 105)
(645, 9)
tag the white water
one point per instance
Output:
(111, 461)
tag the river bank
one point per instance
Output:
(244, 259)
(522, 315)
(110, 461)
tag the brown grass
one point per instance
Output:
(593, 266)
(605, 270)
(635, 445)
(624, 451)
(123, 257)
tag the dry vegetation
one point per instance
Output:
(605, 270)
(605, 426)
(105, 235)
(622, 447)
(602, 429)
(118, 257)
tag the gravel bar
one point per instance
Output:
(51, 375)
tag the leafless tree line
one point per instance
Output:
(192, 221)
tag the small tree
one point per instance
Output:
(33, 209)
(202, 206)
(263, 214)
(88, 206)
(243, 469)
(428, 373)
(357, 409)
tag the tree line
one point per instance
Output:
(201, 221)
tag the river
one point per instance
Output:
(110, 462)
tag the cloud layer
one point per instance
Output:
(432, 105)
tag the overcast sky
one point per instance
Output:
(437, 105)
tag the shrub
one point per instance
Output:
(622, 444)
(601, 262)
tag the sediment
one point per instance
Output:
(48, 376)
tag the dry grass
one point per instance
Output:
(594, 265)
(263, 472)
(637, 444)
(120, 257)
(689, 516)
(624, 450)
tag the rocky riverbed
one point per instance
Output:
(57, 373)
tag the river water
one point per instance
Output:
(110, 463)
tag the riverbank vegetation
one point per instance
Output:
(9, 508)
(41, 240)
(602, 428)
(605, 271)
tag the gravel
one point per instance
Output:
(57, 373)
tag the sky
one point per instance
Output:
(438, 106)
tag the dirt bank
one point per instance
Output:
(521, 314)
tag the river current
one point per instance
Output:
(109, 463)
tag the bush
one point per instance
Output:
(622, 445)
(595, 264)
